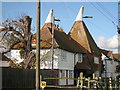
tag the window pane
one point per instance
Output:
(96, 60)
(70, 74)
(80, 58)
(62, 72)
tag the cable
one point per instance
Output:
(102, 13)
(93, 24)
(107, 11)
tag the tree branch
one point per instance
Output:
(11, 47)
(13, 30)
(3, 36)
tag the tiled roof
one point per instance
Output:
(61, 40)
(80, 34)
(116, 56)
(107, 53)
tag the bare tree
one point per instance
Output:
(16, 32)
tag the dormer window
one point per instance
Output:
(96, 60)
(80, 58)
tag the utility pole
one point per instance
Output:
(52, 48)
(118, 29)
(52, 42)
(38, 47)
(106, 74)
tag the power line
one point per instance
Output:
(102, 13)
(100, 4)
(107, 11)
(75, 11)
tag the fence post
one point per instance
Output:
(78, 82)
(93, 75)
(119, 82)
(95, 83)
(115, 82)
(110, 83)
(89, 82)
(81, 80)
(100, 83)
(94, 79)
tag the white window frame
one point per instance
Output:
(96, 60)
(62, 73)
(80, 58)
(70, 73)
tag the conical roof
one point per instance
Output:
(49, 17)
(61, 39)
(80, 33)
(80, 14)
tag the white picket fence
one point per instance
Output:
(91, 82)
(97, 82)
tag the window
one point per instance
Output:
(70, 74)
(96, 60)
(63, 55)
(17, 51)
(97, 73)
(80, 58)
(62, 72)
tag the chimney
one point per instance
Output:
(57, 26)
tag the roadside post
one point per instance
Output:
(43, 84)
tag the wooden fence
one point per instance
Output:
(18, 78)
(91, 83)
(98, 82)
(24, 78)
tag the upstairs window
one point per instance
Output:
(80, 58)
(96, 60)
(63, 55)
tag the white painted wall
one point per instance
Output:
(14, 55)
(68, 63)
(59, 62)
(46, 58)
(111, 67)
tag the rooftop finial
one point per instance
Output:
(80, 14)
(49, 17)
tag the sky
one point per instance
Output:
(103, 25)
